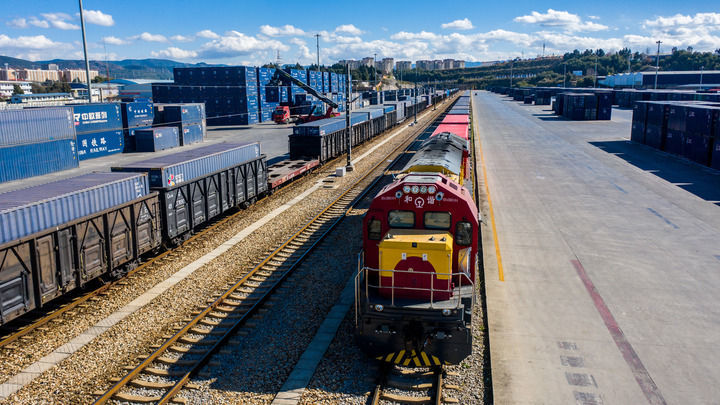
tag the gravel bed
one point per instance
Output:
(255, 369)
(88, 370)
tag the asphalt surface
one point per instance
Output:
(610, 263)
(273, 140)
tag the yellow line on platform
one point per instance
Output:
(501, 274)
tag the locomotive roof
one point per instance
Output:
(444, 150)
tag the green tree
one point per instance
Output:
(100, 79)
(17, 89)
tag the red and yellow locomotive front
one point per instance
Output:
(415, 287)
(421, 233)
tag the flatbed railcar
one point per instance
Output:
(415, 286)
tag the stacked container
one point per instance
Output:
(135, 116)
(269, 95)
(156, 139)
(98, 128)
(188, 118)
(36, 141)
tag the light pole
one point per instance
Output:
(657, 63)
(701, 73)
(87, 62)
(348, 134)
(564, 73)
(375, 69)
(511, 71)
(415, 106)
(596, 63)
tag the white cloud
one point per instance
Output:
(285, 30)
(348, 29)
(593, 17)
(59, 20)
(406, 36)
(148, 37)
(28, 42)
(207, 34)
(680, 20)
(464, 24)
(180, 38)
(114, 40)
(560, 19)
(175, 53)
(18, 23)
(340, 39)
(39, 23)
(97, 17)
(235, 43)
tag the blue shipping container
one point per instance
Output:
(32, 125)
(27, 211)
(192, 133)
(36, 159)
(137, 114)
(95, 144)
(156, 139)
(96, 118)
(172, 170)
(179, 113)
(374, 112)
(324, 127)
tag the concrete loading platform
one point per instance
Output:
(606, 287)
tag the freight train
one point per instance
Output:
(415, 288)
(60, 236)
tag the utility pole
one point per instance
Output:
(87, 62)
(657, 62)
(317, 45)
(348, 129)
(564, 73)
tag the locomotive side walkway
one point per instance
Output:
(611, 262)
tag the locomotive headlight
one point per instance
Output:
(431, 189)
(379, 307)
(406, 189)
(398, 194)
(439, 196)
(423, 189)
(445, 312)
(415, 189)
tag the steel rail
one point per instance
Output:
(184, 379)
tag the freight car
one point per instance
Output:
(415, 287)
(60, 236)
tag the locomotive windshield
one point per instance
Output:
(463, 233)
(401, 219)
(437, 220)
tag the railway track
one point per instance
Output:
(411, 386)
(162, 375)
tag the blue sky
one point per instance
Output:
(251, 32)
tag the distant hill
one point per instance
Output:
(121, 69)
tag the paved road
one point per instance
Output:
(273, 140)
(611, 263)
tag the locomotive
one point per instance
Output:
(415, 287)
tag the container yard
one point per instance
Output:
(262, 214)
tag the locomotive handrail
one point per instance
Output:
(363, 274)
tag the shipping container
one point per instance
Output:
(92, 145)
(156, 139)
(456, 119)
(639, 122)
(200, 184)
(30, 210)
(32, 125)
(178, 168)
(137, 114)
(179, 113)
(460, 130)
(37, 159)
(96, 118)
